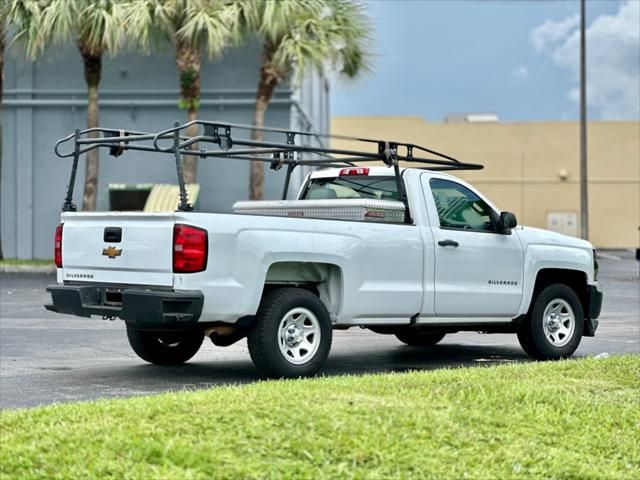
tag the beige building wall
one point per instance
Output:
(532, 169)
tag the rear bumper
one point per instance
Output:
(139, 306)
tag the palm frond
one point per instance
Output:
(25, 17)
(277, 18)
(60, 20)
(309, 34)
(349, 33)
(150, 22)
(96, 25)
(205, 23)
(302, 47)
(242, 18)
(197, 23)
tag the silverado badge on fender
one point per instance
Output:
(112, 252)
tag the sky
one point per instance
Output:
(518, 59)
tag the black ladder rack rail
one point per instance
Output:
(221, 141)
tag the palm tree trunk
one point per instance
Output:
(1, 87)
(92, 72)
(269, 79)
(189, 61)
(190, 162)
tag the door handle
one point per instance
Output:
(448, 243)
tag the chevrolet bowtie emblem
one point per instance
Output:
(112, 252)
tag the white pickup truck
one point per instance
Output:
(284, 274)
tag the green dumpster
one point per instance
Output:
(125, 197)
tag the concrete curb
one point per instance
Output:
(34, 269)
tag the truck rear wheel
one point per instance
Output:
(416, 338)
(292, 333)
(164, 348)
(553, 328)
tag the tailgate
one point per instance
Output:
(118, 247)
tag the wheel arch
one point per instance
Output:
(575, 279)
(324, 279)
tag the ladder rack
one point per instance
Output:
(245, 142)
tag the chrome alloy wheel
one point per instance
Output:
(559, 322)
(299, 335)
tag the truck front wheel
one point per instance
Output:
(553, 328)
(164, 348)
(291, 336)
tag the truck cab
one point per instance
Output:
(479, 254)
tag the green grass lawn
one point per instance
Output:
(17, 262)
(573, 419)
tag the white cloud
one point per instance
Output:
(551, 32)
(521, 72)
(613, 58)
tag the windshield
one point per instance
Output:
(353, 186)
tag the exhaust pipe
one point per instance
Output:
(224, 335)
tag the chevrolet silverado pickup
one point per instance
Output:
(415, 253)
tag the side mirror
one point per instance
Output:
(507, 222)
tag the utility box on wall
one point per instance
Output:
(563, 222)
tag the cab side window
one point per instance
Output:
(460, 208)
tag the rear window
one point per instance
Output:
(353, 186)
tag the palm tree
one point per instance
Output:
(299, 36)
(96, 26)
(190, 26)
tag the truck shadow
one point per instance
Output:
(203, 374)
(404, 358)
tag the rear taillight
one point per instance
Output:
(189, 249)
(57, 246)
(345, 172)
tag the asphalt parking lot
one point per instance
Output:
(46, 358)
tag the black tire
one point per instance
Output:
(532, 336)
(266, 344)
(164, 348)
(416, 338)
(526, 341)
